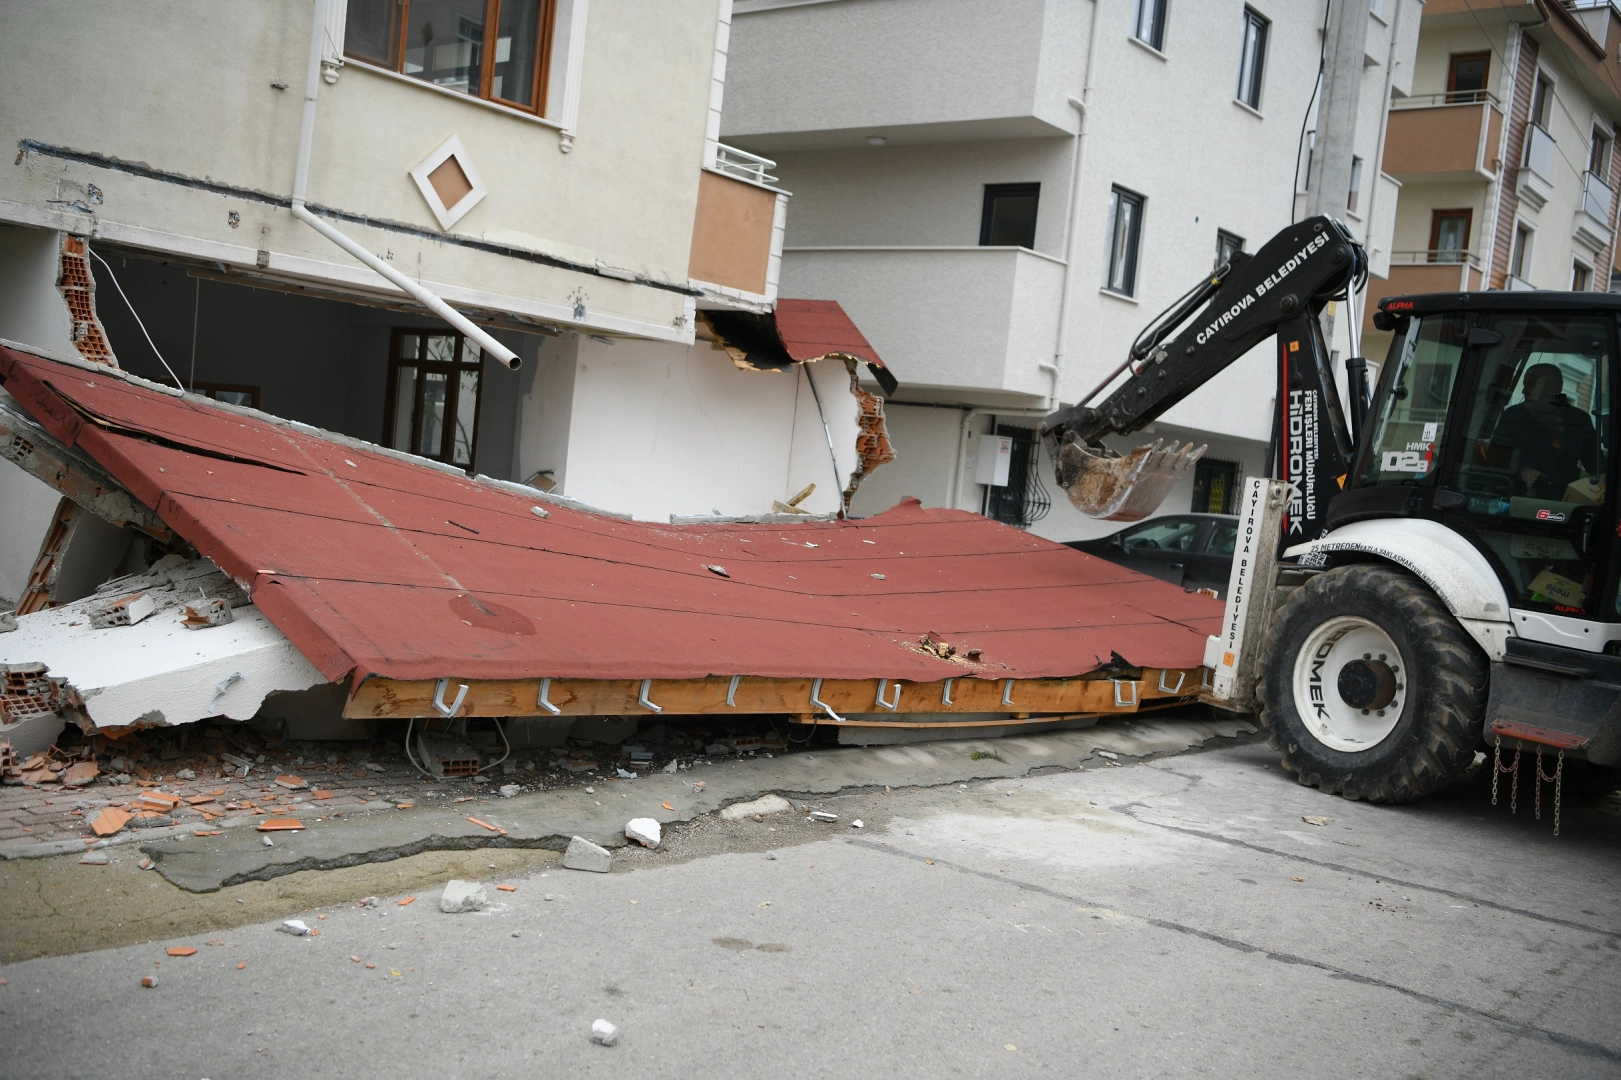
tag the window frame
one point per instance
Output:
(1601, 152)
(1456, 96)
(1133, 256)
(1248, 93)
(1581, 276)
(987, 211)
(1544, 88)
(492, 10)
(1520, 249)
(452, 393)
(1436, 218)
(1159, 10)
(1224, 249)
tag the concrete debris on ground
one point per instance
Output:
(582, 854)
(761, 807)
(644, 830)
(603, 1033)
(460, 896)
(823, 815)
(509, 791)
(296, 927)
(94, 858)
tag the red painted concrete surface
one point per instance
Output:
(376, 564)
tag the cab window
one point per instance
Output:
(1223, 538)
(1409, 414)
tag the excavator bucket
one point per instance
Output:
(1103, 484)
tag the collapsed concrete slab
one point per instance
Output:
(127, 656)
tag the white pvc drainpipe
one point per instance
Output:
(306, 136)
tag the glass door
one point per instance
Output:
(433, 396)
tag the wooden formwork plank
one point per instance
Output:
(380, 698)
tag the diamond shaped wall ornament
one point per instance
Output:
(449, 182)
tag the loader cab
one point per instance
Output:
(1494, 415)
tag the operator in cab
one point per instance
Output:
(1555, 441)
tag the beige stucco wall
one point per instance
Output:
(186, 87)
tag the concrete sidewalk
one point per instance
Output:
(599, 811)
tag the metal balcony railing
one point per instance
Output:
(1434, 255)
(1539, 151)
(1453, 97)
(1597, 197)
(744, 165)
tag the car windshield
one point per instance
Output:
(1164, 534)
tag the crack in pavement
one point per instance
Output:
(1504, 1023)
(1524, 913)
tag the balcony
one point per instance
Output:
(979, 318)
(1444, 138)
(1415, 272)
(1536, 175)
(822, 76)
(1592, 227)
(737, 232)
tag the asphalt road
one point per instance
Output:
(1176, 917)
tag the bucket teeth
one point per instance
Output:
(1103, 484)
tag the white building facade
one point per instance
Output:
(550, 168)
(1002, 198)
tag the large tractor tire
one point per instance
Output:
(1369, 688)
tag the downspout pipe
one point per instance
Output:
(1082, 105)
(306, 138)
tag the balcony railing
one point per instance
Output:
(1452, 97)
(1539, 151)
(744, 165)
(1434, 255)
(1597, 197)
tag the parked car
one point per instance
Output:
(1194, 551)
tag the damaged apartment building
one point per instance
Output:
(423, 360)
(499, 235)
(220, 217)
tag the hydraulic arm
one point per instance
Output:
(1277, 292)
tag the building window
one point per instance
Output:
(1125, 236)
(1519, 259)
(1355, 194)
(1227, 245)
(1009, 215)
(1023, 499)
(1252, 58)
(1215, 487)
(1466, 76)
(1449, 235)
(1150, 25)
(492, 49)
(1598, 156)
(1581, 278)
(230, 393)
(1542, 101)
(433, 390)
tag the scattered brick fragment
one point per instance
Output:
(292, 783)
(506, 888)
(371, 967)
(280, 824)
(197, 800)
(407, 900)
(354, 959)
(109, 821)
(485, 824)
(149, 981)
(239, 967)
(321, 793)
(182, 950)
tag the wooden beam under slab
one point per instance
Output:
(870, 699)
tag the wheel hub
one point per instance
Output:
(1350, 684)
(1367, 684)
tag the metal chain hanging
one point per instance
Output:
(1557, 780)
(1497, 761)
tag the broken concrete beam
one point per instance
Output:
(582, 854)
(460, 896)
(156, 672)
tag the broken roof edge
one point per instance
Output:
(759, 342)
(749, 519)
